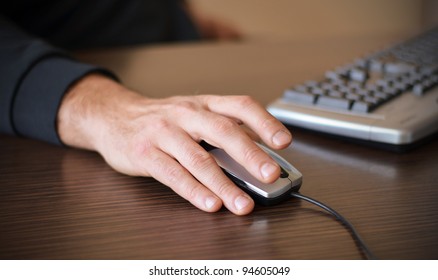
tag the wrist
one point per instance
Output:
(86, 108)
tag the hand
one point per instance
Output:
(140, 136)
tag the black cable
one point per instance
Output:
(368, 254)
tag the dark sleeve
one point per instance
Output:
(33, 79)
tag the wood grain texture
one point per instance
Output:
(60, 203)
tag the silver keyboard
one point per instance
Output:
(388, 97)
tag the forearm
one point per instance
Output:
(33, 79)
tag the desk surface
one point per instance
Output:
(60, 203)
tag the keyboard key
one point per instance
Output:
(362, 107)
(342, 82)
(428, 70)
(402, 86)
(363, 92)
(373, 88)
(362, 62)
(382, 95)
(421, 88)
(354, 86)
(353, 96)
(398, 67)
(327, 86)
(376, 65)
(317, 91)
(333, 75)
(392, 91)
(418, 89)
(373, 100)
(359, 74)
(334, 102)
(385, 82)
(336, 93)
(299, 97)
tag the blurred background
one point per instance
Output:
(305, 20)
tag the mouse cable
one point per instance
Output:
(368, 254)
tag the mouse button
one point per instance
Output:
(275, 189)
(295, 176)
(237, 171)
(227, 163)
(284, 164)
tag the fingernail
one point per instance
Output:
(281, 138)
(268, 169)
(241, 202)
(210, 202)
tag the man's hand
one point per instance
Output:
(160, 138)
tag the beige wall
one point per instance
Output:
(307, 19)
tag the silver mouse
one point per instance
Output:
(267, 194)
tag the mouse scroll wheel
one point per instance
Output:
(283, 173)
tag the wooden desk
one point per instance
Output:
(60, 203)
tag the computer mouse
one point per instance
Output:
(266, 194)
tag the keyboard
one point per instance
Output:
(388, 97)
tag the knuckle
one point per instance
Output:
(245, 101)
(185, 107)
(268, 122)
(160, 124)
(224, 126)
(191, 192)
(143, 148)
(174, 174)
(251, 154)
(199, 159)
(223, 188)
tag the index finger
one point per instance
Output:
(251, 113)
